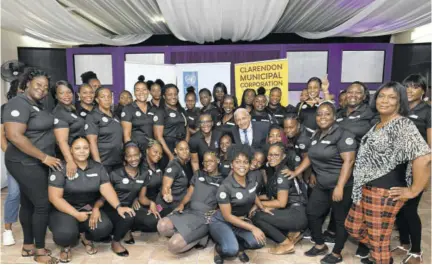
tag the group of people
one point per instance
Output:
(236, 174)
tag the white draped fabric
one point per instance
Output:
(208, 21)
(49, 21)
(124, 22)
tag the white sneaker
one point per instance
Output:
(8, 239)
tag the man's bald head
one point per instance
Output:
(242, 118)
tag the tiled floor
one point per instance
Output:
(150, 248)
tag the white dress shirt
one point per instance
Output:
(248, 133)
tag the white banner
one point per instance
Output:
(202, 75)
(166, 72)
(199, 75)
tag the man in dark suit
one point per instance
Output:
(247, 132)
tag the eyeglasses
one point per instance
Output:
(274, 155)
(206, 122)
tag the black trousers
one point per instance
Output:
(409, 224)
(319, 204)
(35, 206)
(120, 225)
(146, 221)
(276, 227)
(66, 229)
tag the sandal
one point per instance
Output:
(51, 260)
(31, 252)
(68, 253)
(93, 250)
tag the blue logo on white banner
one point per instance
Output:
(190, 79)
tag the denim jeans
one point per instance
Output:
(230, 238)
(12, 202)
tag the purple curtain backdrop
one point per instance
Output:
(236, 54)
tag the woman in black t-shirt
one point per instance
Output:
(248, 99)
(331, 155)
(287, 198)
(188, 223)
(104, 132)
(236, 197)
(137, 118)
(408, 219)
(29, 155)
(226, 122)
(170, 124)
(207, 107)
(76, 202)
(67, 124)
(224, 164)
(85, 105)
(192, 112)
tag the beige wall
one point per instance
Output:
(421, 34)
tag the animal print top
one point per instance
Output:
(382, 150)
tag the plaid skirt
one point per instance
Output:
(372, 220)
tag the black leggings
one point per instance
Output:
(35, 206)
(409, 224)
(291, 219)
(146, 222)
(319, 204)
(120, 225)
(66, 229)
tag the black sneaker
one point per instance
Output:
(313, 252)
(329, 239)
(368, 261)
(307, 234)
(328, 234)
(243, 257)
(362, 251)
(331, 259)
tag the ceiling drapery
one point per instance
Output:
(225, 19)
(126, 22)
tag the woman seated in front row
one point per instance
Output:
(287, 201)
(236, 196)
(127, 182)
(187, 226)
(74, 199)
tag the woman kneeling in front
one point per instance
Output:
(187, 226)
(74, 199)
(288, 203)
(236, 197)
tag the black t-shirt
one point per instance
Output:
(278, 113)
(174, 122)
(142, 123)
(300, 144)
(278, 182)
(153, 180)
(126, 187)
(110, 136)
(358, 122)
(40, 124)
(258, 175)
(192, 117)
(421, 116)
(226, 128)
(325, 158)
(307, 115)
(224, 167)
(82, 112)
(199, 146)
(213, 111)
(241, 198)
(2, 111)
(176, 172)
(262, 116)
(68, 118)
(82, 190)
(205, 188)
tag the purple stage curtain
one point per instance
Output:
(229, 56)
